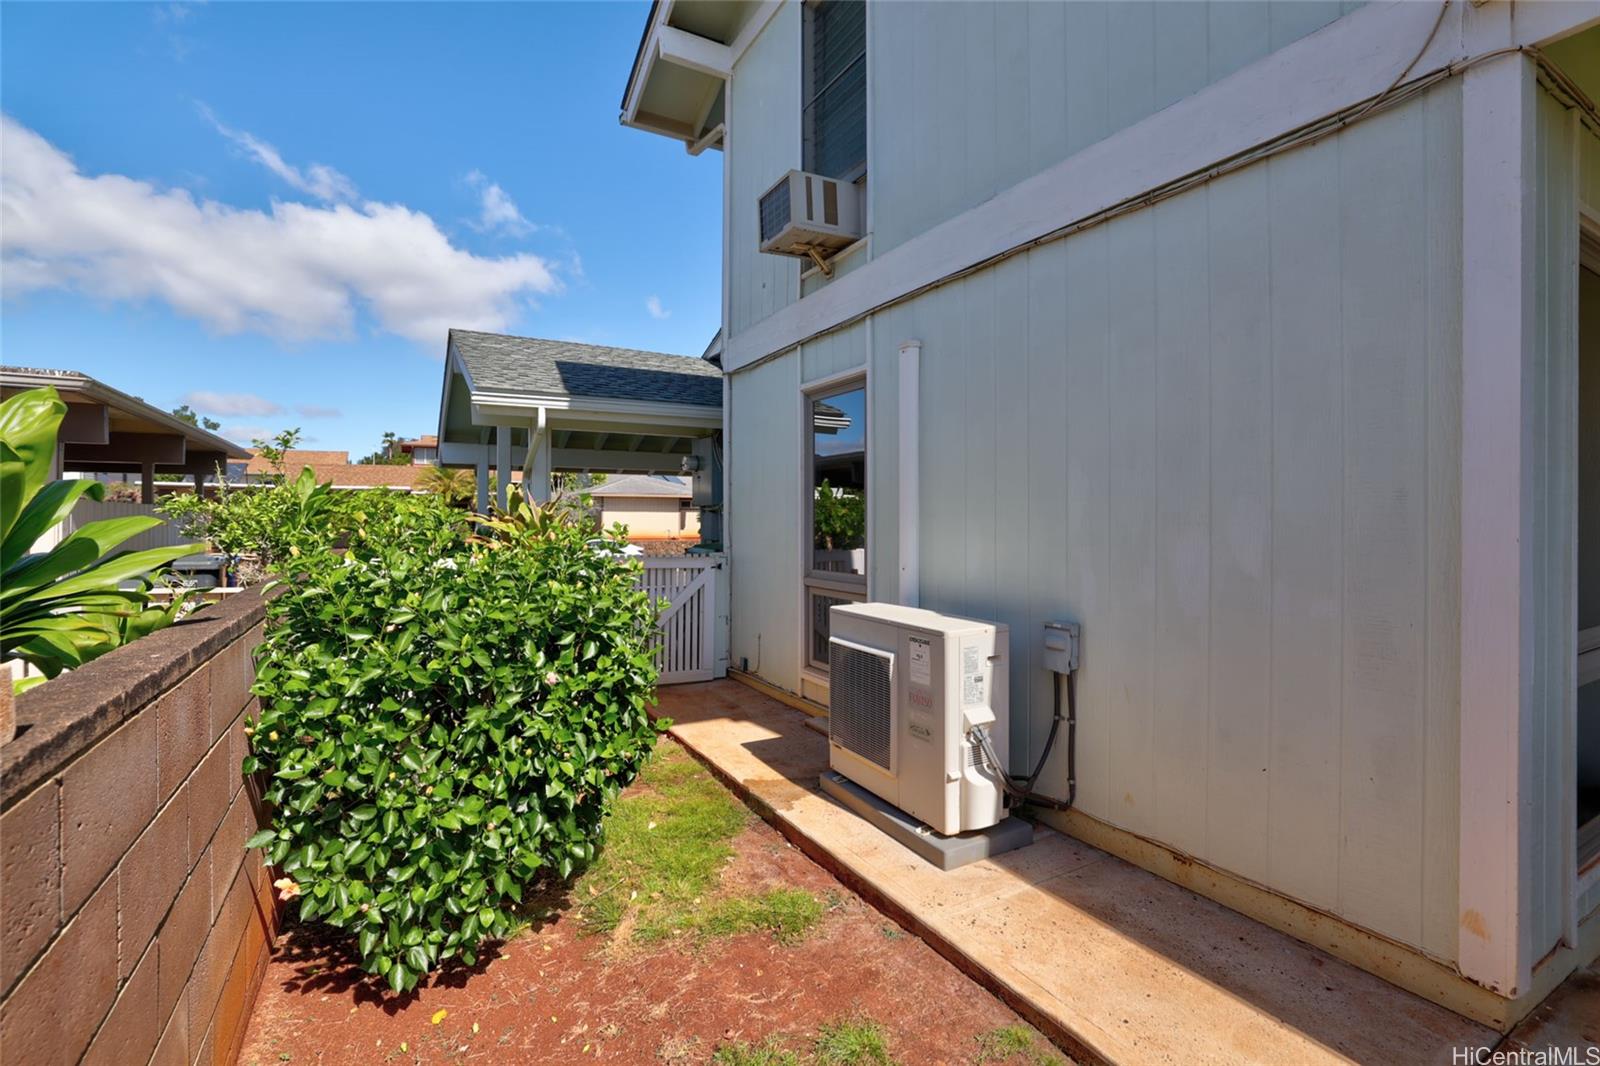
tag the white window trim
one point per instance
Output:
(833, 384)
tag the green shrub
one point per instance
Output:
(446, 717)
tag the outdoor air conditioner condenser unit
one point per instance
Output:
(906, 686)
(810, 216)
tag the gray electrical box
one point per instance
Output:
(1062, 646)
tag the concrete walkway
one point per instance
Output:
(1116, 963)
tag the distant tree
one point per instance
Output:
(387, 455)
(187, 414)
(276, 452)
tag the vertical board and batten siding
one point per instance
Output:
(1223, 434)
(763, 419)
(763, 145)
(969, 98)
(985, 95)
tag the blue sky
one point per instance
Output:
(274, 211)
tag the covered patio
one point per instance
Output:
(514, 405)
(106, 431)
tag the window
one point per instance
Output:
(836, 564)
(834, 119)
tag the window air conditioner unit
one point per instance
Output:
(809, 216)
(905, 688)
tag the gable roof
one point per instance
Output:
(641, 485)
(527, 365)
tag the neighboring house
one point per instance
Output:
(1248, 336)
(652, 506)
(107, 432)
(336, 468)
(423, 449)
(540, 406)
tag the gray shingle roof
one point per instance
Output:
(497, 363)
(642, 485)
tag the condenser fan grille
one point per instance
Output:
(861, 701)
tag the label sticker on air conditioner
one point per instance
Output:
(971, 675)
(921, 661)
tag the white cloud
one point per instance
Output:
(653, 305)
(296, 271)
(319, 180)
(246, 434)
(497, 211)
(231, 403)
(312, 410)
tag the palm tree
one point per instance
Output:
(454, 485)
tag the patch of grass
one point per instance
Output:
(852, 1043)
(664, 847)
(1012, 1042)
(766, 1053)
(787, 913)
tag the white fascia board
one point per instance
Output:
(630, 107)
(489, 408)
(684, 49)
(451, 363)
(452, 454)
(1349, 61)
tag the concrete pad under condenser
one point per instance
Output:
(947, 853)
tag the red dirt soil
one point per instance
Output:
(555, 995)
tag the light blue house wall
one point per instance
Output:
(1220, 435)
(983, 95)
(1224, 433)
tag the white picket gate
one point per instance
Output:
(688, 645)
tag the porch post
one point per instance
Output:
(483, 478)
(537, 446)
(147, 482)
(539, 486)
(502, 464)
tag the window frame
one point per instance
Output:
(853, 588)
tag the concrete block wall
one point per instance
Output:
(134, 926)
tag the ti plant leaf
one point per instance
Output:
(61, 608)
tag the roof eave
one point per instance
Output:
(664, 43)
(99, 391)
